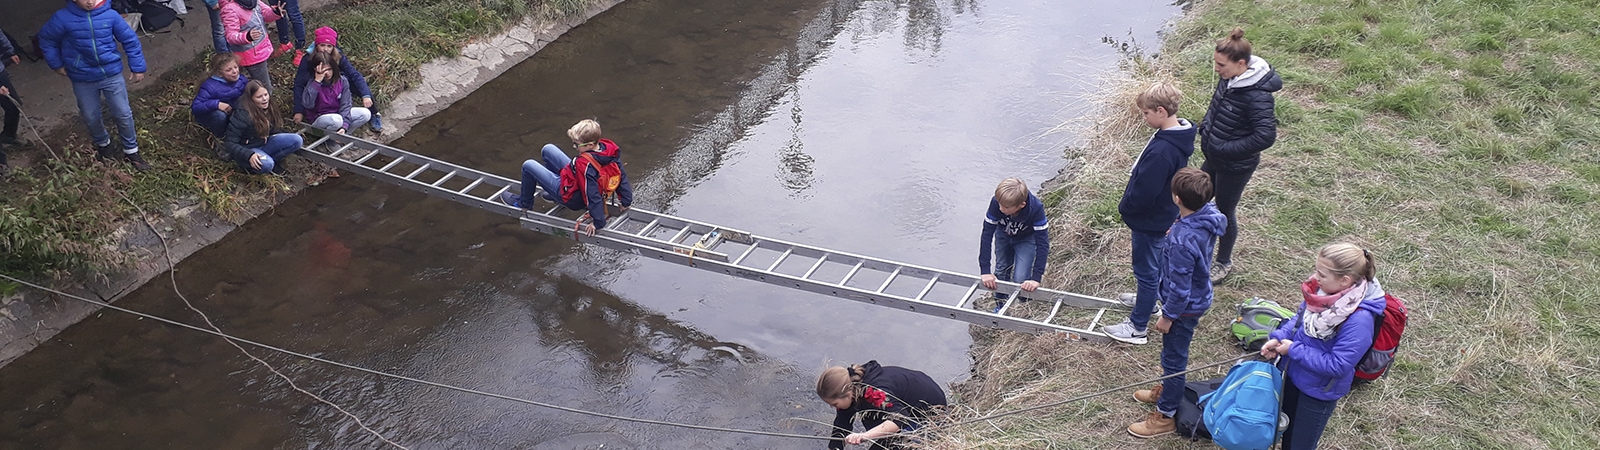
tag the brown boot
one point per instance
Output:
(1148, 395)
(1152, 426)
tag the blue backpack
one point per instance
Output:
(1243, 413)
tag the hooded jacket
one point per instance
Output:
(217, 90)
(303, 76)
(239, 17)
(239, 142)
(1324, 369)
(312, 103)
(593, 199)
(908, 394)
(85, 43)
(1186, 279)
(1028, 223)
(5, 51)
(1147, 205)
(1240, 123)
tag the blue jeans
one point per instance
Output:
(1149, 257)
(278, 146)
(543, 174)
(291, 9)
(115, 92)
(1307, 417)
(218, 43)
(1174, 359)
(214, 121)
(1013, 259)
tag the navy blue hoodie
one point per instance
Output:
(908, 394)
(1147, 201)
(1186, 280)
(1028, 222)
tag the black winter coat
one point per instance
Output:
(1240, 124)
(906, 394)
(241, 137)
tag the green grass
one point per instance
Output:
(57, 216)
(1456, 140)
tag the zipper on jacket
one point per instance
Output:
(94, 46)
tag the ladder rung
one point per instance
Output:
(419, 170)
(814, 267)
(782, 257)
(471, 185)
(746, 253)
(313, 145)
(1010, 300)
(968, 295)
(681, 233)
(1096, 320)
(886, 281)
(336, 153)
(645, 232)
(496, 195)
(1053, 310)
(369, 156)
(852, 273)
(442, 179)
(552, 211)
(391, 164)
(927, 288)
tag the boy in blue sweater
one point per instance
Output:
(1185, 293)
(1147, 207)
(1022, 247)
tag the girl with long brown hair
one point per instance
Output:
(255, 139)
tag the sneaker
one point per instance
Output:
(1124, 332)
(1148, 395)
(10, 140)
(1128, 298)
(1220, 271)
(105, 152)
(1156, 424)
(298, 55)
(137, 161)
(512, 200)
(282, 49)
(5, 171)
(376, 123)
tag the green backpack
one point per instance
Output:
(1257, 318)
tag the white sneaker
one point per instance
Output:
(1129, 299)
(1124, 332)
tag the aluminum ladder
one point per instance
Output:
(733, 252)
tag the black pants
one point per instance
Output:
(13, 114)
(1229, 186)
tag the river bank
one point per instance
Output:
(75, 222)
(1455, 141)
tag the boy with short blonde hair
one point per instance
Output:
(1147, 206)
(1023, 246)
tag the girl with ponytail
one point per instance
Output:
(888, 399)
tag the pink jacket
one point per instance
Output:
(236, 25)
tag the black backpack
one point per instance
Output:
(1190, 423)
(154, 16)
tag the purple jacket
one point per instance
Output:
(1186, 279)
(214, 90)
(1323, 369)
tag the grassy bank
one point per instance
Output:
(57, 215)
(1456, 140)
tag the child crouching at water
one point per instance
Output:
(889, 400)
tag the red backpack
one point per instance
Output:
(574, 180)
(1385, 340)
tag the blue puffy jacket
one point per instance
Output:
(1186, 279)
(217, 90)
(1324, 369)
(85, 43)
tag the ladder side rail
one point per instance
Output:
(563, 228)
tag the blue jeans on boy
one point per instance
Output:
(1013, 259)
(1174, 359)
(214, 121)
(115, 92)
(1307, 417)
(278, 147)
(218, 43)
(544, 174)
(1149, 256)
(291, 16)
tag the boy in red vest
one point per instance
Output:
(581, 183)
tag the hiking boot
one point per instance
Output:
(105, 153)
(137, 161)
(1153, 425)
(298, 55)
(1220, 271)
(1125, 332)
(512, 200)
(1148, 395)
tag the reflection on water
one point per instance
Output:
(869, 126)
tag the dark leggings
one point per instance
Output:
(13, 113)
(1228, 187)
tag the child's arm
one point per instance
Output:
(1041, 245)
(1177, 280)
(624, 188)
(1352, 341)
(358, 82)
(1146, 187)
(302, 75)
(991, 222)
(203, 101)
(1263, 130)
(843, 424)
(596, 200)
(130, 45)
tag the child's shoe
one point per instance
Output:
(1220, 271)
(512, 200)
(298, 55)
(1148, 395)
(10, 140)
(376, 123)
(1125, 332)
(137, 161)
(283, 48)
(105, 152)
(1154, 425)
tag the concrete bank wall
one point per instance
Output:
(29, 317)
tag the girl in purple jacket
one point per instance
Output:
(218, 94)
(1320, 346)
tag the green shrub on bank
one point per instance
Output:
(58, 215)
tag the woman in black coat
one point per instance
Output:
(888, 399)
(255, 139)
(1238, 126)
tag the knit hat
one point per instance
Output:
(326, 35)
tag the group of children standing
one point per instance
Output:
(1182, 219)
